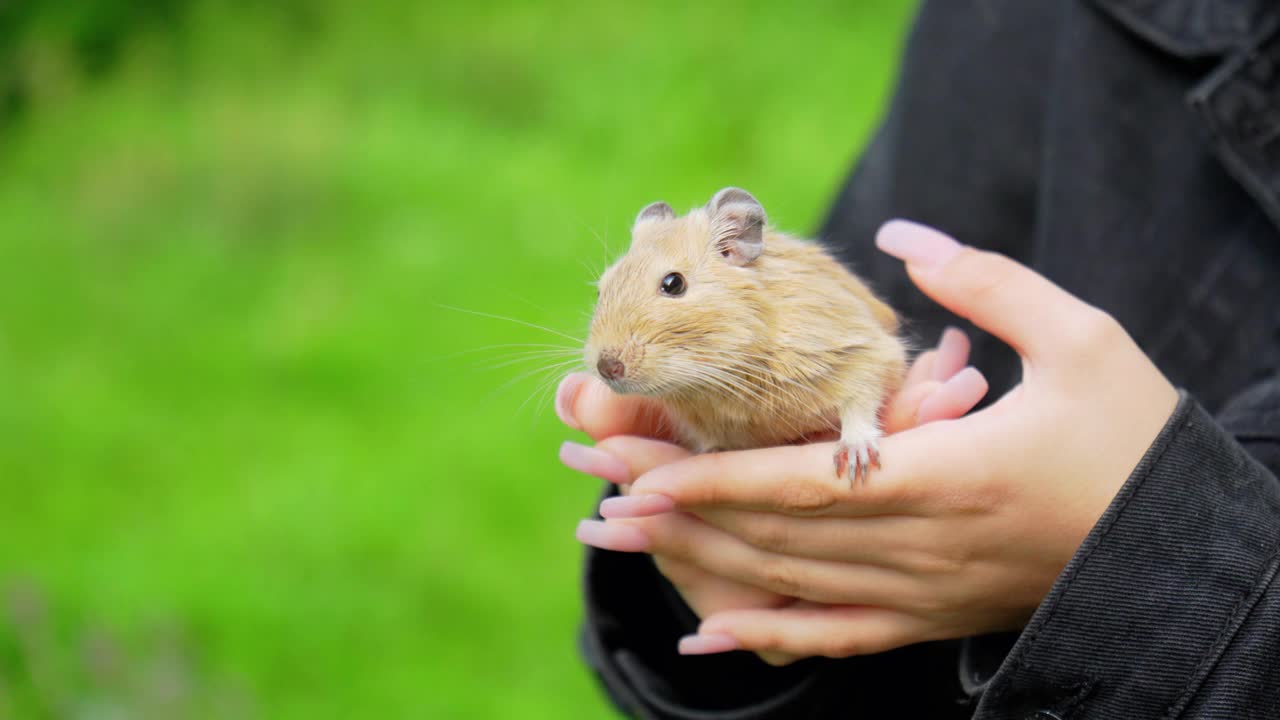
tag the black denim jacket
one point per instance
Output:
(1130, 151)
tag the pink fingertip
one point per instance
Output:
(955, 397)
(594, 461)
(567, 396)
(612, 536)
(916, 244)
(633, 506)
(706, 644)
(953, 353)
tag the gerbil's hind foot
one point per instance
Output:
(855, 460)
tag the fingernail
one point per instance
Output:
(951, 336)
(612, 536)
(706, 644)
(566, 396)
(593, 461)
(633, 506)
(916, 244)
(955, 397)
(969, 377)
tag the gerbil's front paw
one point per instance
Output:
(854, 458)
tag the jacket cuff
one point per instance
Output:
(1158, 589)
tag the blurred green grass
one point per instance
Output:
(230, 400)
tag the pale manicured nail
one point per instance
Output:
(566, 396)
(612, 536)
(593, 461)
(633, 506)
(916, 244)
(706, 644)
(955, 397)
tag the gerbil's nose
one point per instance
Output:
(611, 368)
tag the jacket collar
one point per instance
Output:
(1238, 104)
(1192, 28)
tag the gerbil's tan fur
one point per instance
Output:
(762, 348)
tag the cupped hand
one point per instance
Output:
(968, 523)
(632, 439)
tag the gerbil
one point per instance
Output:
(749, 337)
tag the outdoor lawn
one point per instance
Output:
(255, 459)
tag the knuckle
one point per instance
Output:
(1095, 331)
(769, 640)
(841, 646)
(985, 494)
(709, 490)
(680, 574)
(677, 545)
(778, 576)
(617, 445)
(990, 273)
(931, 603)
(798, 496)
(769, 533)
(934, 564)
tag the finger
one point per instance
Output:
(705, 594)
(952, 354)
(897, 542)
(807, 630)
(792, 479)
(621, 459)
(709, 644)
(903, 410)
(1003, 297)
(922, 369)
(641, 454)
(946, 399)
(585, 403)
(953, 398)
(685, 538)
(595, 462)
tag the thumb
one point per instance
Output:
(1003, 297)
(587, 404)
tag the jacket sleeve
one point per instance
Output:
(1170, 606)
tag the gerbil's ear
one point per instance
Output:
(737, 225)
(655, 211)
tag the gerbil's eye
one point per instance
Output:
(673, 285)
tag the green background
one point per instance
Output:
(250, 466)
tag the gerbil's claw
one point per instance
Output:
(854, 459)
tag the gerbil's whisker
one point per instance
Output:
(528, 357)
(544, 388)
(503, 346)
(555, 367)
(491, 316)
(757, 385)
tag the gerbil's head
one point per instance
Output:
(683, 303)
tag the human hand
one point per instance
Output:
(631, 440)
(968, 523)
